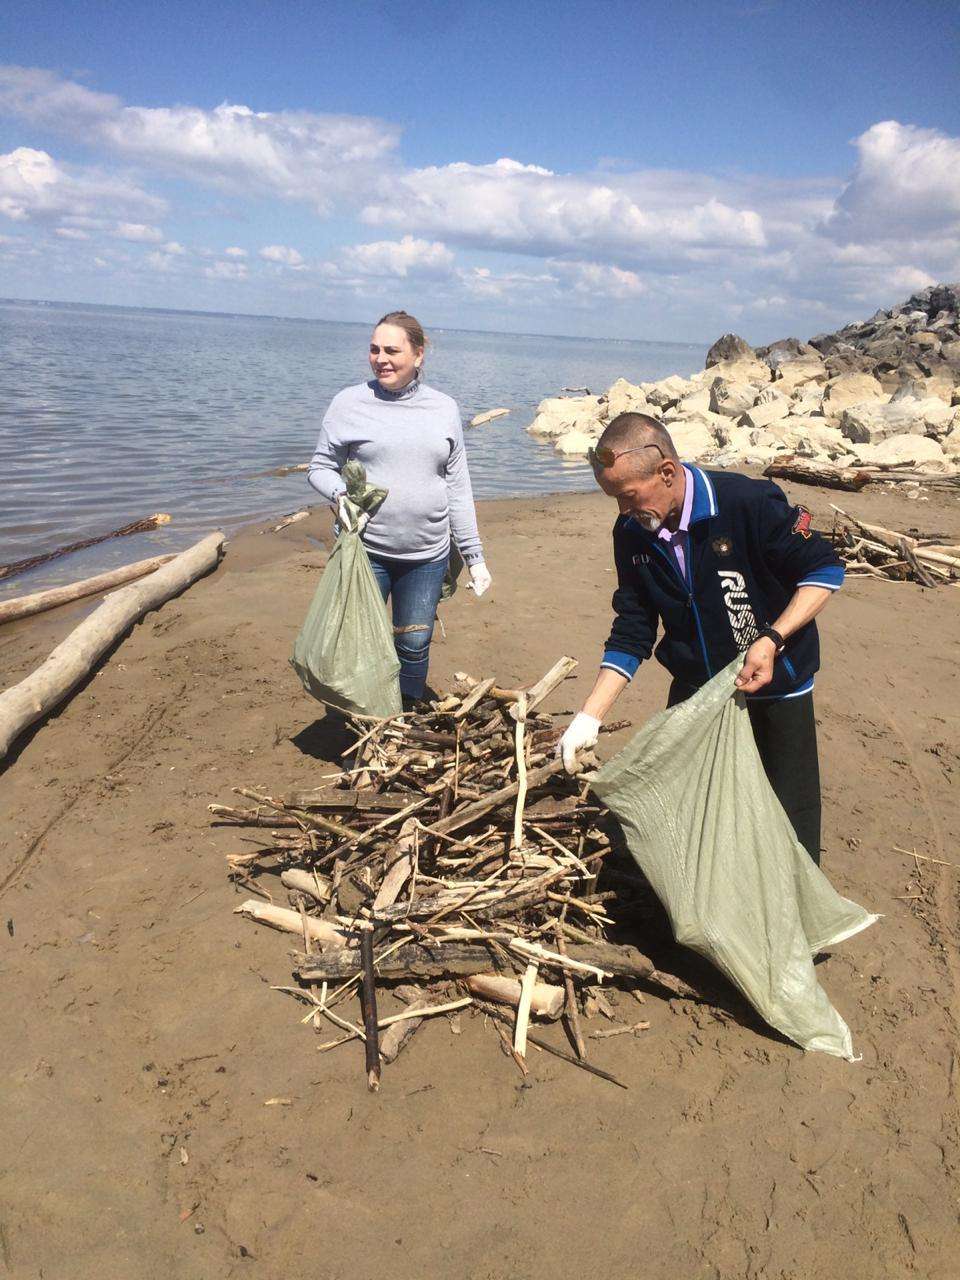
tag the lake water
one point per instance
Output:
(110, 414)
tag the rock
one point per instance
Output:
(950, 444)
(925, 339)
(793, 374)
(871, 421)
(560, 413)
(807, 399)
(754, 371)
(696, 401)
(769, 394)
(667, 391)
(576, 442)
(806, 435)
(731, 399)
(786, 351)
(848, 389)
(714, 422)
(940, 388)
(728, 348)
(761, 415)
(901, 450)
(846, 359)
(489, 416)
(692, 440)
(624, 397)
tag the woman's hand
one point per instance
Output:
(480, 578)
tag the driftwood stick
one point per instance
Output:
(368, 988)
(571, 1012)
(308, 882)
(289, 921)
(41, 601)
(804, 471)
(444, 959)
(74, 659)
(546, 685)
(476, 694)
(470, 812)
(521, 772)
(546, 1001)
(138, 526)
(493, 1012)
(527, 984)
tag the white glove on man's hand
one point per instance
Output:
(480, 578)
(582, 731)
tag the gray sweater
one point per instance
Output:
(411, 443)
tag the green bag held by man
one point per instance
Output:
(344, 654)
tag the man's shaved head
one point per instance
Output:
(633, 431)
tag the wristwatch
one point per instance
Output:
(768, 633)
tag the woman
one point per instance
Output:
(410, 441)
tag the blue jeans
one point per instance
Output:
(414, 590)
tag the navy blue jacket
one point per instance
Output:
(748, 550)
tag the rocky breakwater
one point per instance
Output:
(882, 393)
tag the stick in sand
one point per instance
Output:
(369, 995)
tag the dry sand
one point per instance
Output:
(140, 1040)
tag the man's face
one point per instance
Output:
(648, 496)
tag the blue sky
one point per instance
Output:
(646, 170)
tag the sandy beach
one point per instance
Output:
(142, 1040)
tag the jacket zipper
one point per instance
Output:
(687, 583)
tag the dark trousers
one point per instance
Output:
(785, 732)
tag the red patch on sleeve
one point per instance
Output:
(803, 521)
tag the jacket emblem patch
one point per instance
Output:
(803, 522)
(722, 546)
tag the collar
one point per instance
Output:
(405, 393)
(702, 499)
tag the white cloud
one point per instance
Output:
(138, 233)
(34, 187)
(281, 254)
(71, 233)
(527, 209)
(399, 258)
(293, 154)
(226, 271)
(174, 247)
(235, 252)
(598, 280)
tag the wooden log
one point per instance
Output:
(435, 960)
(334, 798)
(289, 921)
(804, 471)
(890, 538)
(399, 867)
(546, 1000)
(545, 685)
(473, 697)
(75, 658)
(31, 562)
(41, 601)
(315, 886)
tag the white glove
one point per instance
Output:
(582, 731)
(480, 578)
(343, 515)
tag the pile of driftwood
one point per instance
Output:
(872, 550)
(452, 860)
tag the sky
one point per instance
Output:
(647, 170)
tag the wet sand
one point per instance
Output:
(140, 1039)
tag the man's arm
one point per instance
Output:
(803, 607)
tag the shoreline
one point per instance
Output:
(139, 1018)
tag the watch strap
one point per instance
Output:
(768, 633)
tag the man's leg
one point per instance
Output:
(785, 731)
(416, 591)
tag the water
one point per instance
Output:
(111, 414)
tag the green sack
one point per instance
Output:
(344, 654)
(718, 849)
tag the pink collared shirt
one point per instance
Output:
(677, 541)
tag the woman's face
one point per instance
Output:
(393, 359)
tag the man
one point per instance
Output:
(727, 566)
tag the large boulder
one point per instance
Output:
(692, 440)
(576, 442)
(731, 399)
(807, 399)
(795, 373)
(786, 351)
(623, 397)
(848, 389)
(761, 415)
(806, 435)
(558, 414)
(696, 401)
(738, 371)
(903, 451)
(667, 391)
(728, 348)
(871, 421)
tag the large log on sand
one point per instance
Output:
(76, 657)
(41, 601)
